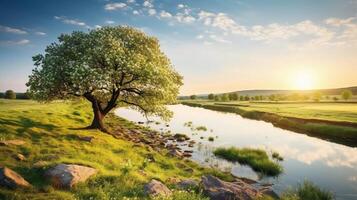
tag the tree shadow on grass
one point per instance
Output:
(23, 125)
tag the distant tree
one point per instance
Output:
(233, 96)
(2, 95)
(317, 96)
(110, 67)
(346, 94)
(256, 98)
(9, 94)
(335, 98)
(261, 98)
(246, 98)
(224, 97)
(272, 97)
(327, 97)
(211, 96)
(193, 96)
(241, 98)
(217, 98)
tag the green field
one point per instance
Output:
(346, 112)
(336, 122)
(49, 131)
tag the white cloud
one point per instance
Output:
(339, 22)
(15, 42)
(180, 6)
(109, 22)
(183, 18)
(40, 33)
(131, 1)
(199, 37)
(164, 14)
(219, 39)
(114, 6)
(97, 26)
(11, 30)
(72, 21)
(135, 12)
(152, 11)
(148, 4)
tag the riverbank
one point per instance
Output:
(342, 132)
(38, 137)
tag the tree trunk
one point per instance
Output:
(97, 122)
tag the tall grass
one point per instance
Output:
(307, 190)
(257, 159)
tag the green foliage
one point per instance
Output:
(224, 97)
(277, 156)
(114, 65)
(257, 159)
(193, 97)
(346, 94)
(233, 96)
(9, 94)
(211, 96)
(307, 190)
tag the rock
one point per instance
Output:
(181, 137)
(187, 184)
(175, 153)
(86, 138)
(221, 190)
(20, 157)
(12, 142)
(11, 179)
(67, 175)
(186, 154)
(40, 164)
(156, 188)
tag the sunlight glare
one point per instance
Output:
(303, 81)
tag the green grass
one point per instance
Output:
(50, 132)
(307, 190)
(257, 159)
(345, 112)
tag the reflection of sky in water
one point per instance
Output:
(329, 165)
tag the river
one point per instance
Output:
(329, 165)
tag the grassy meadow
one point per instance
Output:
(50, 132)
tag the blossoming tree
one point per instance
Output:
(110, 67)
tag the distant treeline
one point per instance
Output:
(10, 94)
(317, 95)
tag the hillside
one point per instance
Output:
(333, 91)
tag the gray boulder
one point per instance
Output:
(222, 190)
(156, 188)
(68, 175)
(187, 184)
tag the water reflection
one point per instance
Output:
(329, 165)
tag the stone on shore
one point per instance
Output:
(68, 175)
(217, 189)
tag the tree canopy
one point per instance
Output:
(346, 94)
(108, 66)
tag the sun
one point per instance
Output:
(303, 80)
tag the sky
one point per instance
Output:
(217, 45)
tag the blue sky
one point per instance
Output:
(218, 46)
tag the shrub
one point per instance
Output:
(9, 94)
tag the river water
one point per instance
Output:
(329, 165)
